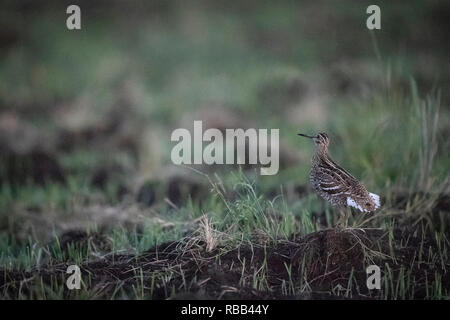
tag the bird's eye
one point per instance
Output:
(367, 204)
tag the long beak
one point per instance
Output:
(304, 135)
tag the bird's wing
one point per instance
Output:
(342, 172)
(331, 183)
(336, 184)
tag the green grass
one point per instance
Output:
(392, 136)
(388, 154)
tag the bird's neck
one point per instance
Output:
(321, 154)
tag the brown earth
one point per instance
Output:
(327, 259)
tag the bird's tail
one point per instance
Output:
(353, 203)
(376, 199)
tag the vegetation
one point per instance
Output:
(85, 171)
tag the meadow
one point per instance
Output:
(86, 176)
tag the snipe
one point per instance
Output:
(335, 184)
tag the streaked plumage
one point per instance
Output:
(335, 184)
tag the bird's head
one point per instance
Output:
(321, 140)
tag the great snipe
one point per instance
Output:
(335, 184)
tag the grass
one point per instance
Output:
(247, 236)
(247, 222)
(239, 215)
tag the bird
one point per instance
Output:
(335, 184)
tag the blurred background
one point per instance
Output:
(86, 115)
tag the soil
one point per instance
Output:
(326, 258)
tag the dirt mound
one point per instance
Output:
(325, 264)
(25, 155)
